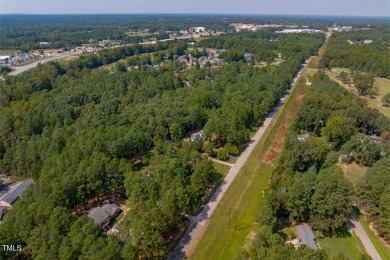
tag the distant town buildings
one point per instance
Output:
(252, 27)
(300, 31)
(335, 28)
(368, 41)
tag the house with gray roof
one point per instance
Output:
(197, 136)
(14, 193)
(103, 215)
(112, 210)
(306, 236)
(99, 216)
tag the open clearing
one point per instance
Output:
(224, 235)
(342, 243)
(353, 172)
(381, 84)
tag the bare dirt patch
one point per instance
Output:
(252, 235)
(288, 116)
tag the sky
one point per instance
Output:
(291, 7)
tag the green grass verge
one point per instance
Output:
(342, 243)
(382, 249)
(25, 62)
(14, 179)
(221, 241)
(221, 168)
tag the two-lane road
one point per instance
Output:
(20, 69)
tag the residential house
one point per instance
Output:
(376, 138)
(14, 193)
(112, 209)
(102, 216)
(306, 236)
(248, 57)
(303, 137)
(197, 136)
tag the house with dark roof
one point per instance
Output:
(306, 236)
(103, 215)
(14, 193)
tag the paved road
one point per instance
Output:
(20, 69)
(361, 233)
(198, 223)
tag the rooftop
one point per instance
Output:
(98, 215)
(306, 235)
(16, 191)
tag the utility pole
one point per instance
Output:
(235, 226)
(230, 211)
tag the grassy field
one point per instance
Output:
(342, 243)
(9, 52)
(221, 168)
(353, 172)
(221, 239)
(381, 84)
(383, 250)
(383, 87)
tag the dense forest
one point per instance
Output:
(84, 133)
(308, 186)
(372, 57)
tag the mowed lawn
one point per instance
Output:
(224, 236)
(353, 172)
(221, 168)
(383, 87)
(381, 84)
(342, 243)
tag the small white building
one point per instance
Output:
(199, 29)
(4, 59)
(368, 41)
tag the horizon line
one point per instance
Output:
(216, 14)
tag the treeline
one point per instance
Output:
(264, 45)
(74, 130)
(45, 76)
(307, 185)
(372, 57)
